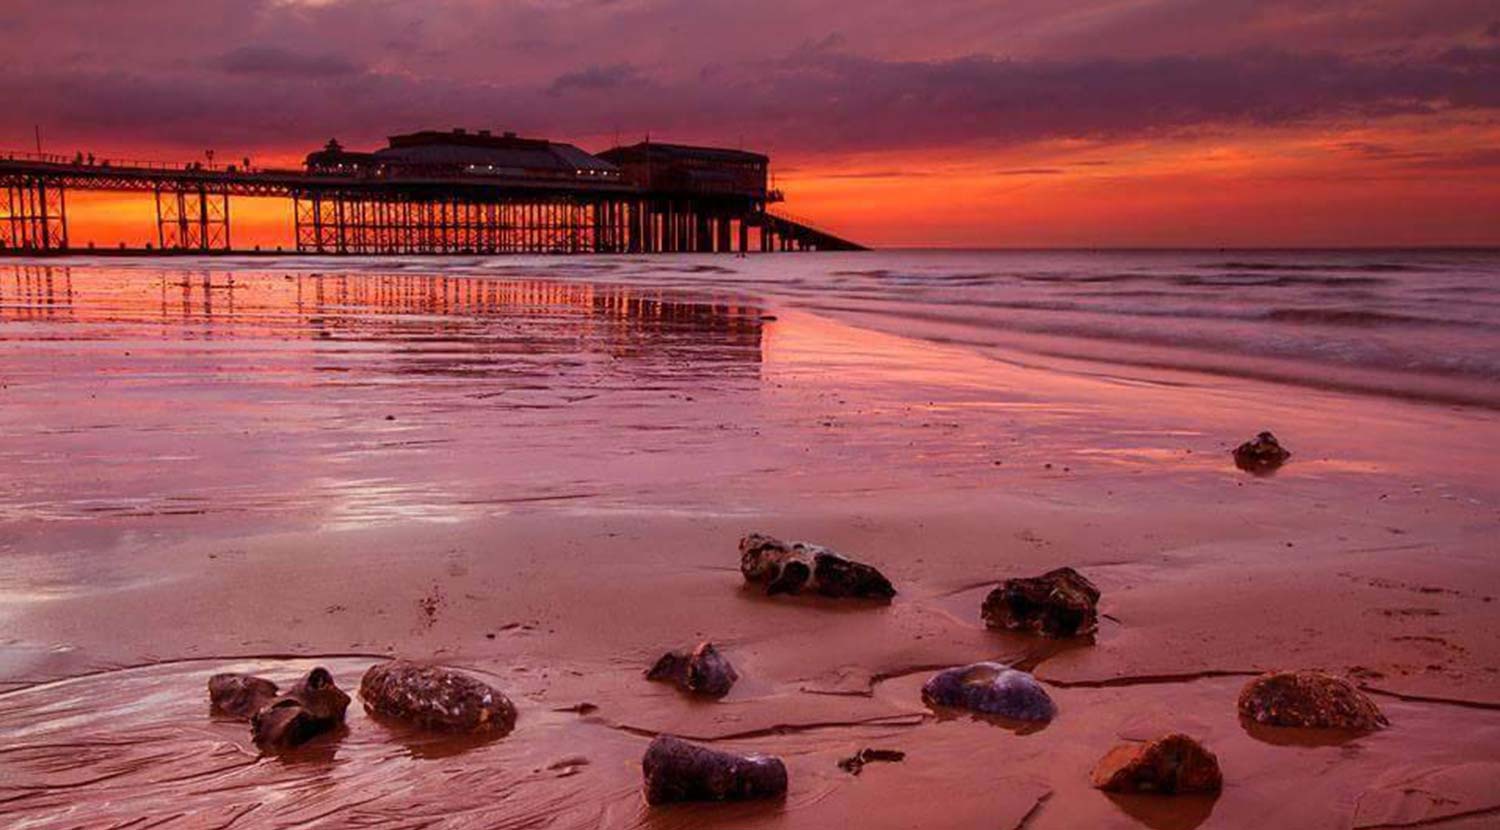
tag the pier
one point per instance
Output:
(437, 192)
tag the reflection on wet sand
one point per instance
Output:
(208, 392)
(1183, 812)
(481, 321)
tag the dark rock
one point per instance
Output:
(312, 706)
(1059, 603)
(990, 689)
(702, 671)
(855, 763)
(1309, 699)
(676, 770)
(1171, 764)
(435, 698)
(1261, 455)
(791, 568)
(239, 695)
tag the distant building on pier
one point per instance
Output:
(689, 170)
(458, 153)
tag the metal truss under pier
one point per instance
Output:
(33, 214)
(333, 215)
(360, 223)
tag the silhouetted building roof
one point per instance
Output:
(333, 157)
(684, 168)
(658, 150)
(483, 149)
(458, 152)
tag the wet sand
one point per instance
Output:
(543, 483)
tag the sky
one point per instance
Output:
(954, 123)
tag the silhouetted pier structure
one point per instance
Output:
(435, 192)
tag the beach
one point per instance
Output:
(537, 471)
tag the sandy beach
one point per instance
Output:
(539, 475)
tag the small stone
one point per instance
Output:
(1309, 699)
(855, 763)
(990, 689)
(676, 770)
(1059, 603)
(1261, 455)
(791, 568)
(1171, 764)
(435, 698)
(239, 695)
(702, 671)
(312, 706)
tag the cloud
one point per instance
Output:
(859, 100)
(874, 174)
(274, 61)
(1376, 151)
(1486, 158)
(283, 74)
(597, 79)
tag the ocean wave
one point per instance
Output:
(1301, 315)
(1358, 317)
(1201, 346)
(1361, 267)
(1270, 280)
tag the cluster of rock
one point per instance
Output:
(1061, 603)
(425, 697)
(1177, 764)
(311, 706)
(675, 770)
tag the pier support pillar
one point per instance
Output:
(703, 239)
(192, 218)
(724, 243)
(33, 215)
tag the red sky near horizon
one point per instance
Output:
(945, 123)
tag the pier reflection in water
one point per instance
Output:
(358, 396)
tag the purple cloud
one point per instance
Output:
(274, 61)
(823, 81)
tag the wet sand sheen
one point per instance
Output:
(495, 473)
